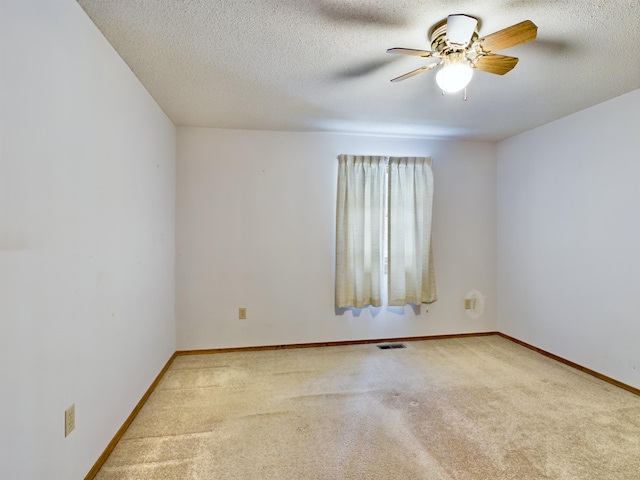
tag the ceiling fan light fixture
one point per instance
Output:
(455, 74)
(456, 43)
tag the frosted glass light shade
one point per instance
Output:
(454, 77)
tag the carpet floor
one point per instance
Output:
(469, 408)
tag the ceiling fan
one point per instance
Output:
(458, 47)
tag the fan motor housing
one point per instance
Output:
(438, 35)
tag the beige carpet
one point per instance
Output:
(471, 408)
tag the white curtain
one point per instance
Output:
(410, 269)
(359, 228)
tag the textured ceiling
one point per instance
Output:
(321, 65)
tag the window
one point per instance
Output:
(369, 186)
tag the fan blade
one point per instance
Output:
(414, 72)
(412, 51)
(460, 28)
(498, 64)
(510, 37)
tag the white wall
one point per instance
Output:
(87, 204)
(256, 229)
(569, 237)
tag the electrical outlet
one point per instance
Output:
(469, 303)
(242, 313)
(69, 419)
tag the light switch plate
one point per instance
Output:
(69, 419)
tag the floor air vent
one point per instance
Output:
(389, 346)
